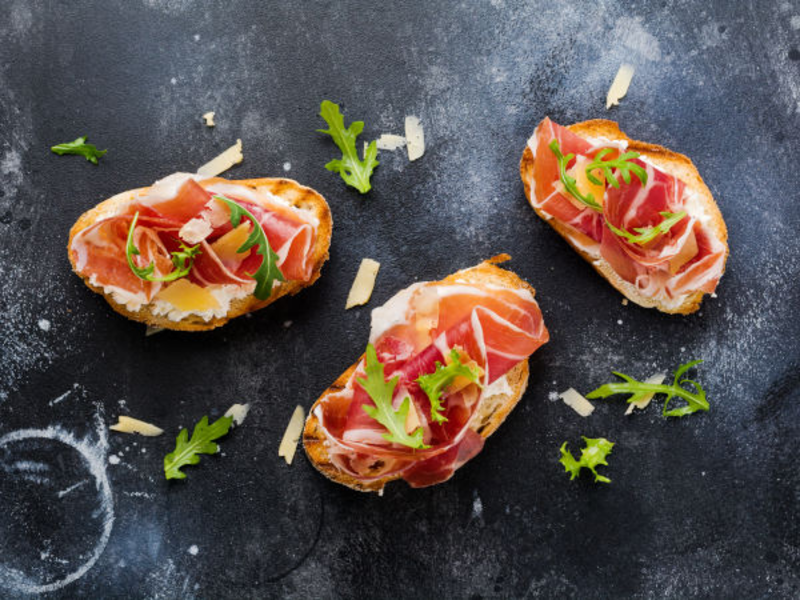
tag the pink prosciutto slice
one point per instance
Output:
(495, 327)
(686, 259)
(99, 250)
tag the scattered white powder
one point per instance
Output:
(193, 550)
(44, 324)
(477, 507)
(553, 396)
(619, 321)
(113, 459)
(196, 37)
(287, 166)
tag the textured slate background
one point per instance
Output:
(704, 507)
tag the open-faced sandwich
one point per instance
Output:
(639, 213)
(190, 253)
(446, 363)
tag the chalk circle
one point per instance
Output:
(35, 466)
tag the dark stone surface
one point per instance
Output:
(702, 507)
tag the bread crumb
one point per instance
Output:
(209, 118)
(624, 302)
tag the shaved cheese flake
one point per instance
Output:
(363, 284)
(415, 138)
(131, 425)
(412, 419)
(187, 296)
(388, 141)
(223, 162)
(152, 330)
(209, 118)
(577, 402)
(292, 435)
(238, 412)
(620, 85)
(642, 404)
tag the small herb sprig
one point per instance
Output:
(181, 260)
(647, 234)
(381, 392)
(593, 454)
(622, 162)
(187, 451)
(81, 148)
(433, 384)
(268, 272)
(355, 172)
(695, 400)
(568, 181)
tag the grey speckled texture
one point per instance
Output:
(704, 507)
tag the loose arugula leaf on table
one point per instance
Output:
(268, 272)
(181, 260)
(187, 451)
(622, 162)
(355, 172)
(593, 455)
(433, 384)
(381, 392)
(695, 400)
(569, 183)
(80, 147)
(646, 234)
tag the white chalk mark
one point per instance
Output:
(147, 495)
(72, 488)
(61, 398)
(94, 457)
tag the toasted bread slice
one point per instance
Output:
(489, 415)
(670, 162)
(289, 190)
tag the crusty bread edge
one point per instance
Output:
(296, 194)
(671, 162)
(489, 415)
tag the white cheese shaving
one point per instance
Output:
(223, 162)
(238, 412)
(620, 85)
(388, 141)
(131, 425)
(577, 402)
(363, 284)
(292, 435)
(415, 138)
(209, 118)
(658, 379)
(195, 230)
(152, 330)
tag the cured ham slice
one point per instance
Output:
(492, 328)
(99, 250)
(684, 259)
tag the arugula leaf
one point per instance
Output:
(569, 183)
(695, 400)
(355, 172)
(268, 272)
(79, 146)
(381, 392)
(181, 260)
(646, 234)
(433, 384)
(187, 451)
(621, 162)
(593, 454)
